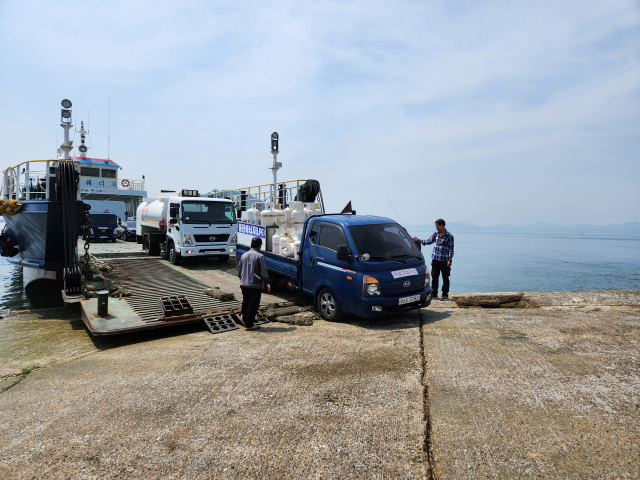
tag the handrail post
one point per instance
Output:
(46, 181)
(27, 183)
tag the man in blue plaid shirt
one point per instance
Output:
(441, 258)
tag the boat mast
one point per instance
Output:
(67, 146)
(83, 148)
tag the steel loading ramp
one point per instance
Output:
(150, 279)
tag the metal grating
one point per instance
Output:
(220, 323)
(173, 306)
(149, 279)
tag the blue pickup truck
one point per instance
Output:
(362, 265)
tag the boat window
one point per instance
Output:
(331, 236)
(108, 173)
(89, 172)
(208, 212)
(383, 241)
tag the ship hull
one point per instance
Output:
(37, 230)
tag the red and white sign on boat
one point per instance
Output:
(407, 272)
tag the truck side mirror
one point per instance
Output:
(342, 254)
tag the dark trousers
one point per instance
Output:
(250, 305)
(439, 267)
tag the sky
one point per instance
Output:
(485, 112)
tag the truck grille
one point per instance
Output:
(212, 238)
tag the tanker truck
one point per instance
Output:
(184, 225)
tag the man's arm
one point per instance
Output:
(263, 269)
(450, 252)
(430, 240)
(240, 267)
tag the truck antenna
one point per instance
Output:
(394, 209)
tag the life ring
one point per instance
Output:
(125, 183)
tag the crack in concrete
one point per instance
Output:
(19, 379)
(428, 447)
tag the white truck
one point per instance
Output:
(186, 225)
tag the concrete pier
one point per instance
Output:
(546, 389)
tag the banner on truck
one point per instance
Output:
(246, 231)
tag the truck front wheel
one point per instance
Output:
(174, 257)
(223, 258)
(329, 306)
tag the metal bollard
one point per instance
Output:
(103, 303)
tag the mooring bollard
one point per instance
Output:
(103, 303)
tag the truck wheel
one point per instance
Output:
(223, 258)
(329, 306)
(113, 240)
(150, 250)
(174, 257)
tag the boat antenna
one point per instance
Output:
(109, 131)
(394, 209)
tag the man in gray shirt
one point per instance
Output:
(252, 270)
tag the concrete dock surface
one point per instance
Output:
(547, 391)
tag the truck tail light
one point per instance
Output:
(161, 225)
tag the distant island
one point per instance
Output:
(630, 228)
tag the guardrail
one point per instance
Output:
(259, 194)
(28, 180)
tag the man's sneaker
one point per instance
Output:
(434, 295)
(445, 297)
(255, 327)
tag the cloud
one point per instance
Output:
(473, 109)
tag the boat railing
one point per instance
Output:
(280, 192)
(28, 180)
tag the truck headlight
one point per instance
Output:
(234, 239)
(186, 239)
(426, 279)
(371, 287)
(92, 232)
(115, 230)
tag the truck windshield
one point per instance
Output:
(104, 219)
(208, 212)
(383, 241)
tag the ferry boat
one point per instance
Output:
(33, 208)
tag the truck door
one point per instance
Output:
(329, 271)
(308, 258)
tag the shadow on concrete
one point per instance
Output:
(431, 316)
(270, 327)
(106, 342)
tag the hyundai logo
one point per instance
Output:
(407, 283)
(212, 238)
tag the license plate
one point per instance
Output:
(212, 253)
(411, 299)
(103, 236)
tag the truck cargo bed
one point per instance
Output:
(286, 266)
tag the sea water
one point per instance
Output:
(483, 262)
(507, 262)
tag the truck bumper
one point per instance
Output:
(390, 305)
(206, 250)
(103, 236)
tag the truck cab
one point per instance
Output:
(187, 226)
(364, 265)
(103, 227)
